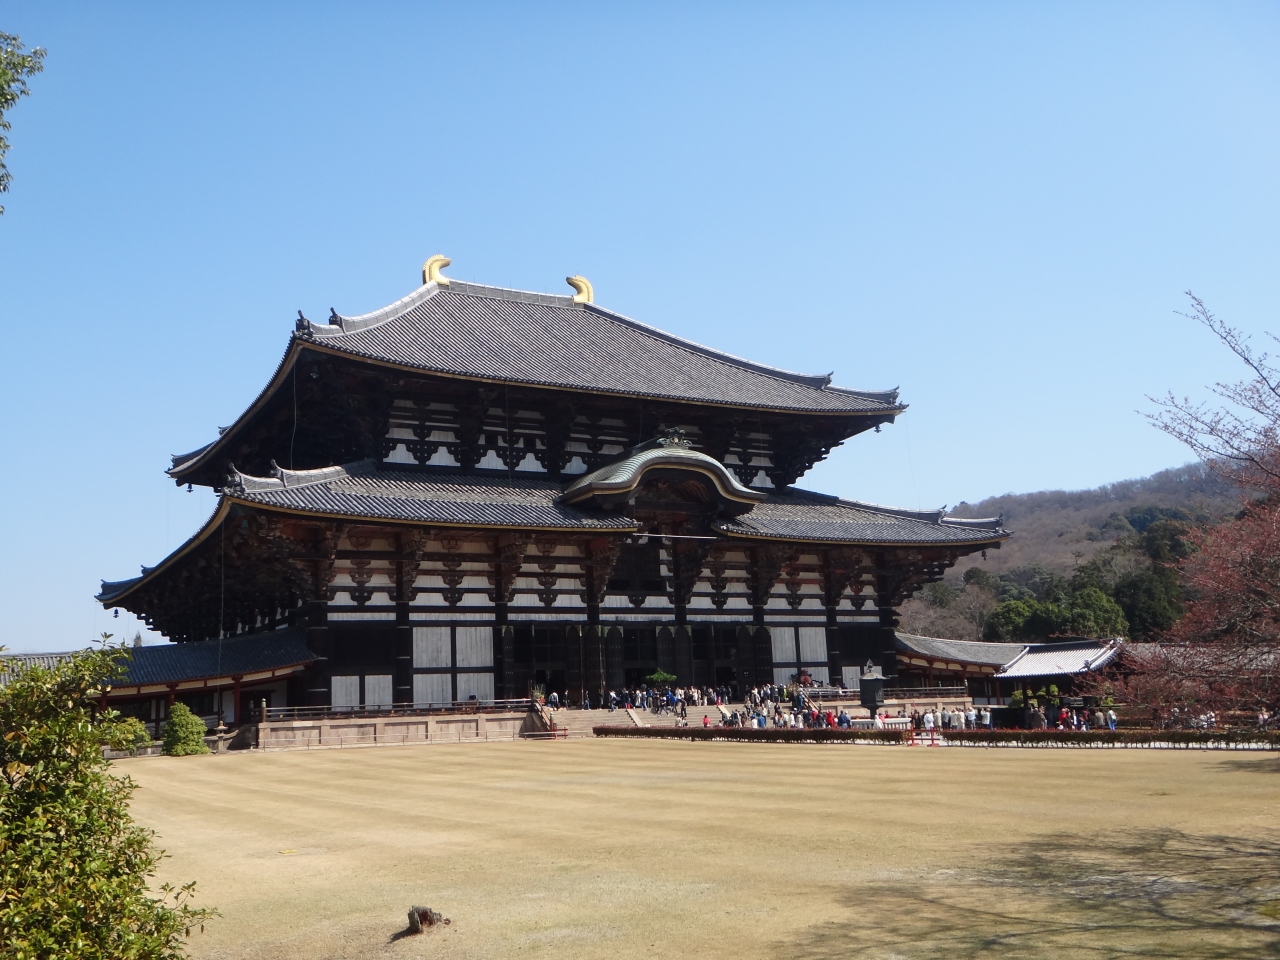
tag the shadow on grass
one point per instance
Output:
(1252, 765)
(1159, 894)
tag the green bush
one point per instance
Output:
(767, 735)
(128, 732)
(184, 732)
(74, 867)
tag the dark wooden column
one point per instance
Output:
(683, 637)
(615, 668)
(573, 651)
(315, 619)
(687, 560)
(412, 545)
(764, 567)
(509, 552)
(601, 661)
(666, 643)
(314, 616)
(839, 567)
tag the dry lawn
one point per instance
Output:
(619, 849)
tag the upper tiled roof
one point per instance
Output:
(1063, 659)
(175, 663)
(957, 651)
(385, 492)
(802, 515)
(512, 336)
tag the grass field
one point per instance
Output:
(600, 848)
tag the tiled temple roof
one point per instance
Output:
(398, 493)
(802, 515)
(511, 336)
(367, 489)
(1062, 659)
(176, 663)
(957, 651)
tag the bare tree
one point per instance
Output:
(1241, 439)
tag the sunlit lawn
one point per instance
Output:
(599, 848)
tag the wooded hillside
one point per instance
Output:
(1060, 529)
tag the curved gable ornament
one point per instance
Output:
(583, 292)
(671, 458)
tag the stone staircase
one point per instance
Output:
(573, 724)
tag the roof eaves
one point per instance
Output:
(297, 342)
(220, 511)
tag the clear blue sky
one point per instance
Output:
(994, 207)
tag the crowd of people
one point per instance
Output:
(1063, 718)
(787, 707)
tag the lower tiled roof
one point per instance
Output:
(234, 656)
(957, 651)
(179, 662)
(802, 515)
(1062, 659)
(382, 492)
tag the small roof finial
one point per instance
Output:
(431, 269)
(585, 293)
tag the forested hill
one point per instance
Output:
(1059, 529)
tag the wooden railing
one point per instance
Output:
(926, 693)
(270, 714)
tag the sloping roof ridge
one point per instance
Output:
(351, 324)
(819, 381)
(904, 513)
(1073, 643)
(512, 294)
(973, 643)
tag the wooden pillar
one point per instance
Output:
(835, 660)
(402, 678)
(666, 643)
(684, 655)
(315, 617)
(235, 699)
(573, 657)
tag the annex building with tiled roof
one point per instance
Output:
(477, 491)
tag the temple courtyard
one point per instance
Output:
(615, 849)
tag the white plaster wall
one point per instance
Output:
(479, 685)
(475, 648)
(432, 647)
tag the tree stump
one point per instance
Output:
(420, 917)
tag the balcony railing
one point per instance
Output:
(926, 693)
(271, 714)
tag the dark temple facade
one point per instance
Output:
(477, 490)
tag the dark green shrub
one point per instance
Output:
(184, 732)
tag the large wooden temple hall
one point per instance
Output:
(477, 490)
